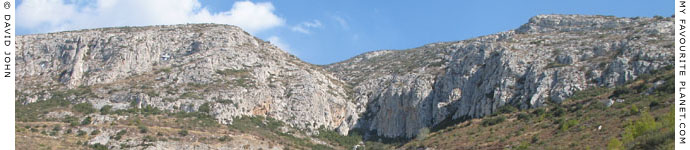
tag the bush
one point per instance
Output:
(654, 104)
(565, 125)
(81, 133)
(558, 112)
(639, 127)
(345, 141)
(422, 134)
(149, 138)
(615, 144)
(85, 108)
(98, 146)
(620, 91)
(86, 121)
(539, 111)
(598, 105)
(634, 110)
(225, 138)
(523, 116)
(183, 132)
(95, 132)
(205, 108)
(119, 134)
(143, 129)
(507, 109)
(106, 109)
(493, 121)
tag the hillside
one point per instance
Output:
(639, 117)
(210, 86)
(543, 61)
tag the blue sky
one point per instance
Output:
(323, 32)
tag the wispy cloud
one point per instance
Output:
(39, 16)
(341, 21)
(305, 27)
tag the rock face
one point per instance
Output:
(545, 60)
(387, 93)
(181, 68)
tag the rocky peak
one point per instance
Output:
(574, 23)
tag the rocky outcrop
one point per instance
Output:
(545, 60)
(180, 68)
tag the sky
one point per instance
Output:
(324, 32)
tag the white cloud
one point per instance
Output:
(277, 42)
(304, 26)
(341, 21)
(57, 15)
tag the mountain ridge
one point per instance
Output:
(226, 73)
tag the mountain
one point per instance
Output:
(219, 82)
(543, 61)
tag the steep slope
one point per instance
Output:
(180, 68)
(643, 112)
(542, 62)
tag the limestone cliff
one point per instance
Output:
(390, 93)
(180, 68)
(543, 61)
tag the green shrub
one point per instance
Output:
(149, 138)
(81, 133)
(523, 116)
(95, 132)
(32, 111)
(86, 121)
(422, 134)
(567, 124)
(654, 104)
(558, 111)
(634, 110)
(205, 108)
(597, 105)
(345, 141)
(225, 138)
(620, 91)
(523, 146)
(57, 128)
(119, 134)
(106, 109)
(143, 129)
(539, 111)
(507, 109)
(85, 108)
(615, 144)
(493, 120)
(183, 132)
(98, 146)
